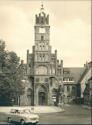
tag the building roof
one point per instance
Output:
(75, 72)
(88, 66)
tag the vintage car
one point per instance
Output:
(22, 116)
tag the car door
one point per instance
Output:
(14, 117)
(17, 117)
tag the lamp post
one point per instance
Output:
(61, 94)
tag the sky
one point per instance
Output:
(70, 28)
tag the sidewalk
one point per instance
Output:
(35, 109)
(47, 109)
(87, 107)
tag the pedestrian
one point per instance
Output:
(62, 105)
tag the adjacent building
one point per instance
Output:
(84, 87)
(71, 76)
(88, 93)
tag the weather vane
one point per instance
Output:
(42, 8)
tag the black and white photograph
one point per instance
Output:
(45, 62)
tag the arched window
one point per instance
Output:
(42, 20)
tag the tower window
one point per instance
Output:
(41, 30)
(42, 21)
(42, 38)
(68, 88)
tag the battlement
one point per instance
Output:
(42, 19)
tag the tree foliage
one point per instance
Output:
(10, 76)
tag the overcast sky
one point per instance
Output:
(70, 32)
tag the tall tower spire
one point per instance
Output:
(42, 36)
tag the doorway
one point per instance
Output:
(42, 98)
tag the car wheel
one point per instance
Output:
(9, 119)
(22, 122)
(36, 123)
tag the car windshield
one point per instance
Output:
(23, 111)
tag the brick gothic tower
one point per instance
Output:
(42, 65)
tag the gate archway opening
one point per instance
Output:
(29, 96)
(42, 96)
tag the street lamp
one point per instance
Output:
(61, 93)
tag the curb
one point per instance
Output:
(49, 112)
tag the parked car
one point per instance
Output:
(22, 116)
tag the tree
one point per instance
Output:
(10, 77)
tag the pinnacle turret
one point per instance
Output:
(42, 18)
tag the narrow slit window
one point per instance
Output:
(42, 38)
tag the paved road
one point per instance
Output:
(74, 114)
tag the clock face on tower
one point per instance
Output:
(41, 30)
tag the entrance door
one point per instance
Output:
(42, 98)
